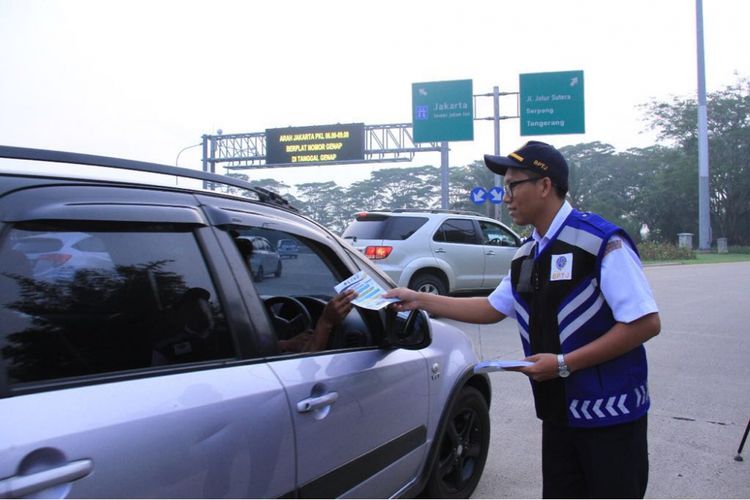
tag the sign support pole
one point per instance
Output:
(444, 175)
(496, 119)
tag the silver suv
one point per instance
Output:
(162, 375)
(435, 251)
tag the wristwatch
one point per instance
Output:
(562, 368)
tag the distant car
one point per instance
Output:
(288, 249)
(264, 261)
(435, 251)
(55, 255)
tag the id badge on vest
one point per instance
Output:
(562, 267)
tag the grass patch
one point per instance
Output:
(666, 253)
(710, 258)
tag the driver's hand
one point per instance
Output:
(338, 307)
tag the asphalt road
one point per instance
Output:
(699, 383)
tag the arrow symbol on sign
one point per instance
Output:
(574, 81)
(478, 195)
(496, 194)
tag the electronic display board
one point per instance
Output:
(315, 144)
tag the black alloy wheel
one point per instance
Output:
(462, 449)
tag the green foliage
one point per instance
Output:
(729, 154)
(663, 251)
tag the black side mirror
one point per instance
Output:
(408, 330)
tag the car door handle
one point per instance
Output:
(317, 402)
(439, 250)
(489, 252)
(21, 486)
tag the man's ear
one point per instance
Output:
(548, 189)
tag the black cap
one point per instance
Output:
(534, 156)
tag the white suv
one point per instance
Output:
(435, 251)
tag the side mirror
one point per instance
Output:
(408, 330)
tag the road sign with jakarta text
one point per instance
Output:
(443, 111)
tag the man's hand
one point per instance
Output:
(544, 367)
(409, 299)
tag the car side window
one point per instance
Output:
(295, 286)
(85, 301)
(401, 228)
(457, 231)
(496, 235)
(303, 272)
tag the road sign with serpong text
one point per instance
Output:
(443, 111)
(552, 103)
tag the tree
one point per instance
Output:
(321, 202)
(729, 144)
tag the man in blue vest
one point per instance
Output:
(584, 309)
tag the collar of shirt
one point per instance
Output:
(557, 222)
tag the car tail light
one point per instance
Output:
(377, 253)
(55, 259)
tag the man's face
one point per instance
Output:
(522, 196)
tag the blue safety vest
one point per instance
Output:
(560, 307)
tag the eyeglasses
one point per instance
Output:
(509, 187)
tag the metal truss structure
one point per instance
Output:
(383, 143)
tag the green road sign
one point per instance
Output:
(442, 111)
(552, 103)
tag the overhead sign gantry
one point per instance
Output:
(312, 145)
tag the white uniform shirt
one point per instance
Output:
(623, 283)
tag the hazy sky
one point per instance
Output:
(144, 79)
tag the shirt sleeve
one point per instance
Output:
(624, 283)
(502, 298)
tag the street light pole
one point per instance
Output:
(177, 161)
(704, 210)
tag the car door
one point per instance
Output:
(457, 243)
(499, 247)
(128, 381)
(359, 412)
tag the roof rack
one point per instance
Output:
(264, 195)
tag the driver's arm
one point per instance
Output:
(317, 339)
(334, 313)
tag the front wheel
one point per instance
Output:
(462, 448)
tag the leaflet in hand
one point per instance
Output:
(496, 365)
(369, 293)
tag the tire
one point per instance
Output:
(429, 283)
(278, 270)
(462, 448)
(260, 274)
